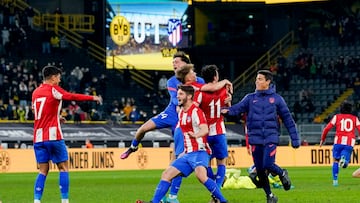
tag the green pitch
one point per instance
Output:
(311, 185)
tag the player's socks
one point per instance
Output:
(161, 190)
(64, 200)
(214, 189)
(134, 143)
(220, 175)
(175, 185)
(335, 171)
(64, 184)
(210, 173)
(39, 186)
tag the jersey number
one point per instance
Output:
(346, 125)
(214, 109)
(38, 112)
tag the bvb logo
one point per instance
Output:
(142, 159)
(4, 161)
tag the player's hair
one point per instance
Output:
(49, 71)
(268, 74)
(182, 56)
(181, 72)
(208, 72)
(188, 89)
(346, 107)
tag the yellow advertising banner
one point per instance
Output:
(23, 160)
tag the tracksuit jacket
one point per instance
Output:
(263, 108)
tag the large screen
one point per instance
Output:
(145, 34)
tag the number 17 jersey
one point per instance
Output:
(47, 104)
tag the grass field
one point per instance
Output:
(311, 185)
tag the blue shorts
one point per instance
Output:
(51, 150)
(178, 141)
(187, 163)
(218, 145)
(167, 118)
(342, 150)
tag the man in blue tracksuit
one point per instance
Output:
(264, 107)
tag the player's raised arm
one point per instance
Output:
(212, 87)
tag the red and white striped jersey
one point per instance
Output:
(190, 121)
(345, 125)
(46, 104)
(211, 103)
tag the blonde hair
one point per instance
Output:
(181, 72)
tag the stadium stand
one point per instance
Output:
(335, 57)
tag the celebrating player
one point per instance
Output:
(193, 124)
(48, 140)
(344, 141)
(167, 118)
(211, 103)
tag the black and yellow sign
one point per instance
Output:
(120, 30)
(4, 161)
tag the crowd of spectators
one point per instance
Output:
(17, 82)
(19, 79)
(335, 58)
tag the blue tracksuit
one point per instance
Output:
(263, 108)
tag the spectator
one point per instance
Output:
(24, 95)
(134, 115)
(5, 35)
(143, 116)
(63, 43)
(127, 110)
(30, 13)
(155, 78)
(95, 114)
(21, 113)
(88, 144)
(3, 114)
(117, 116)
(46, 48)
(29, 113)
(11, 110)
(163, 84)
(58, 11)
(74, 111)
(78, 73)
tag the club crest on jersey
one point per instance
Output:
(188, 119)
(174, 31)
(271, 100)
